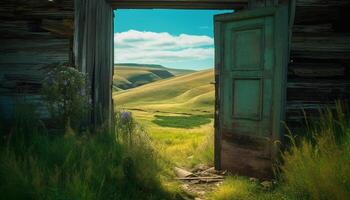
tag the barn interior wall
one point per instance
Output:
(34, 34)
(319, 69)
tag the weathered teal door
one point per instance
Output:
(251, 51)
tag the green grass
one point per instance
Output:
(178, 115)
(37, 165)
(316, 166)
(241, 188)
(192, 93)
(183, 147)
(182, 121)
(175, 113)
(126, 165)
(319, 167)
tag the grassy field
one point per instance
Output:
(35, 164)
(178, 114)
(191, 94)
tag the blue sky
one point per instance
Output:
(173, 38)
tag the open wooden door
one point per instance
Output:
(251, 52)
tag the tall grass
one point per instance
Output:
(316, 166)
(37, 165)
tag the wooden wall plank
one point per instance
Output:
(321, 47)
(319, 71)
(31, 39)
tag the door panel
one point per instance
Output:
(251, 60)
(247, 103)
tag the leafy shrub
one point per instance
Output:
(66, 93)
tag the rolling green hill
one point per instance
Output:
(191, 93)
(128, 76)
(178, 114)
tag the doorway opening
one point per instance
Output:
(251, 55)
(164, 76)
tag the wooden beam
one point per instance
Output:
(179, 4)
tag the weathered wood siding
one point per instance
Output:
(34, 33)
(319, 69)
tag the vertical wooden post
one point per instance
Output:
(93, 49)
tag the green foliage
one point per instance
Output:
(319, 167)
(240, 188)
(66, 93)
(188, 121)
(89, 167)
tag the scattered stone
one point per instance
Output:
(267, 184)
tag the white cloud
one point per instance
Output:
(151, 47)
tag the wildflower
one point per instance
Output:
(125, 116)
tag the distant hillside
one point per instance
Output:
(189, 93)
(174, 71)
(131, 75)
(138, 65)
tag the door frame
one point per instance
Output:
(236, 5)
